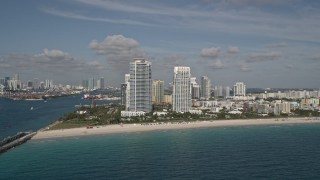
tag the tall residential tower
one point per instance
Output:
(157, 92)
(239, 89)
(140, 85)
(205, 88)
(181, 98)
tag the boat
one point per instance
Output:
(31, 108)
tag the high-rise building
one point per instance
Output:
(91, 84)
(41, 86)
(195, 88)
(14, 83)
(157, 91)
(85, 84)
(181, 97)
(126, 81)
(205, 88)
(123, 91)
(126, 78)
(30, 84)
(218, 91)
(226, 91)
(195, 91)
(3, 81)
(239, 89)
(6, 79)
(140, 85)
(100, 83)
(48, 84)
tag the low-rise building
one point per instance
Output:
(132, 113)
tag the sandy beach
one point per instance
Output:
(126, 128)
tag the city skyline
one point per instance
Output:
(265, 44)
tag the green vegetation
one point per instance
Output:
(111, 114)
(99, 115)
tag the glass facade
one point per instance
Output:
(140, 85)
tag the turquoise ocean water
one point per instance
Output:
(247, 152)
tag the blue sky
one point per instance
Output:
(264, 43)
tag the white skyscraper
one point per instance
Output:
(205, 87)
(140, 85)
(48, 84)
(239, 89)
(181, 99)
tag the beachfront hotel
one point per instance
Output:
(140, 85)
(181, 98)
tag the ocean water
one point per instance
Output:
(252, 152)
(246, 152)
(17, 116)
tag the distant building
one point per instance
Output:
(42, 85)
(132, 113)
(14, 84)
(239, 89)
(281, 108)
(2, 81)
(91, 84)
(30, 85)
(157, 92)
(205, 87)
(195, 92)
(85, 84)
(195, 88)
(123, 91)
(167, 99)
(126, 81)
(48, 84)
(218, 91)
(140, 85)
(181, 98)
(2, 88)
(226, 91)
(100, 83)
(36, 83)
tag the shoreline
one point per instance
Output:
(127, 128)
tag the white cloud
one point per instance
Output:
(217, 64)
(233, 50)
(115, 44)
(261, 57)
(72, 15)
(55, 54)
(248, 18)
(169, 62)
(118, 49)
(49, 61)
(244, 67)
(278, 45)
(210, 52)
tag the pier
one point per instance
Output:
(15, 140)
